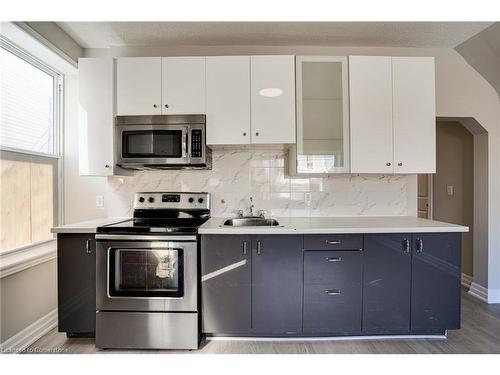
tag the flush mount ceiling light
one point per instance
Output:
(271, 92)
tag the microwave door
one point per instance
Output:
(154, 144)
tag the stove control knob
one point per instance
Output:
(200, 200)
(141, 199)
(191, 200)
(151, 199)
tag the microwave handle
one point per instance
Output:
(185, 146)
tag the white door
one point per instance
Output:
(273, 99)
(228, 100)
(138, 86)
(95, 116)
(370, 85)
(414, 115)
(183, 85)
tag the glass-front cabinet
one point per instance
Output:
(322, 116)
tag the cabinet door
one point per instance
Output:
(414, 115)
(228, 100)
(322, 115)
(138, 86)
(332, 291)
(95, 116)
(386, 290)
(435, 297)
(226, 284)
(76, 283)
(183, 85)
(370, 79)
(277, 284)
(273, 99)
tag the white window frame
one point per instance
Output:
(21, 258)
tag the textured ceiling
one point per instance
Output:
(379, 34)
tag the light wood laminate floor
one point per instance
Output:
(480, 333)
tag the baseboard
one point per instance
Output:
(479, 292)
(466, 280)
(30, 334)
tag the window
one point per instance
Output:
(29, 141)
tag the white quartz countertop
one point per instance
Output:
(364, 224)
(89, 226)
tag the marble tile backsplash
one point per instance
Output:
(238, 175)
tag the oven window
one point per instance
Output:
(146, 273)
(152, 144)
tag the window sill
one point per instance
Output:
(17, 260)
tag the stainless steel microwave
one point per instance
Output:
(162, 142)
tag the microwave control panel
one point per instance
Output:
(196, 141)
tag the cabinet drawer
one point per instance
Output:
(333, 242)
(332, 309)
(338, 269)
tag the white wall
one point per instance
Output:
(460, 92)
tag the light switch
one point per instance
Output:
(99, 201)
(450, 190)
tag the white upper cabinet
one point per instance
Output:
(228, 100)
(95, 116)
(414, 114)
(183, 85)
(370, 90)
(392, 110)
(272, 99)
(138, 86)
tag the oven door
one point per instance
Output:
(152, 274)
(152, 144)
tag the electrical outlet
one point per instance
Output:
(307, 199)
(99, 201)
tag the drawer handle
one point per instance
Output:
(244, 247)
(334, 259)
(333, 292)
(333, 242)
(88, 247)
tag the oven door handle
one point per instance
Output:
(127, 237)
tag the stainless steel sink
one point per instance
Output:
(251, 222)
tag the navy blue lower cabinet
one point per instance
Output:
(436, 287)
(226, 293)
(332, 292)
(387, 283)
(76, 283)
(277, 284)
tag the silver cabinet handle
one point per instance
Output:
(166, 105)
(400, 164)
(420, 245)
(154, 106)
(258, 247)
(388, 164)
(244, 247)
(406, 245)
(333, 242)
(334, 259)
(88, 247)
(333, 292)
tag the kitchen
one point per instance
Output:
(228, 195)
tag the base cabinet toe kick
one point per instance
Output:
(317, 285)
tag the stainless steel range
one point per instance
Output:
(147, 274)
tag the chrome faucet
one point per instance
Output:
(251, 207)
